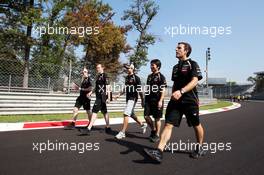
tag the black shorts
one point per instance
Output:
(99, 105)
(83, 101)
(151, 108)
(175, 111)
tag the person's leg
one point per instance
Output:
(157, 126)
(78, 104)
(155, 134)
(165, 136)
(75, 114)
(132, 105)
(150, 123)
(172, 118)
(193, 120)
(107, 125)
(127, 113)
(89, 115)
(87, 107)
(157, 154)
(199, 133)
(106, 117)
(199, 151)
(71, 125)
(122, 133)
(125, 123)
(86, 130)
(95, 110)
(192, 116)
(142, 125)
(147, 113)
(93, 118)
(157, 115)
(134, 117)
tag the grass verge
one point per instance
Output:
(58, 117)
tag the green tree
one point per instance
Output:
(17, 19)
(52, 50)
(103, 46)
(252, 79)
(231, 83)
(258, 81)
(141, 14)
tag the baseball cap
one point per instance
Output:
(129, 66)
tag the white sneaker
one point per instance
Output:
(120, 135)
(144, 128)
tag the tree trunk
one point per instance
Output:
(27, 52)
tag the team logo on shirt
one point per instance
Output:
(185, 68)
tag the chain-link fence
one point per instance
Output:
(40, 77)
(46, 77)
(52, 78)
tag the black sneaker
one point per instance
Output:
(84, 131)
(199, 152)
(154, 138)
(154, 154)
(152, 133)
(70, 126)
(108, 130)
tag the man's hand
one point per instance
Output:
(176, 95)
(160, 104)
(88, 95)
(107, 101)
(75, 86)
(115, 97)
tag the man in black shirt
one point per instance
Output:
(102, 94)
(184, 100)
(83, 99)
(132, 89)
(154, 99)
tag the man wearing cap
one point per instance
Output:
(132, 84)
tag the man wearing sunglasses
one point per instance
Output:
(83, 99)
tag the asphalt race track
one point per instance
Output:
(106, 155)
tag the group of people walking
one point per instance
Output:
(184, 101)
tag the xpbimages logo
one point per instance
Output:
(79, 31)
(79, 147)
(188, 146)
(147, 89)
(212, 31)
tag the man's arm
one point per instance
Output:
(162, 94)
(86, 89)
(108, 92)
(138, 82)
(192, 84)
(163, 90)
(142, 98)
(120, 93)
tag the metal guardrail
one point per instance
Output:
(35, 103)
